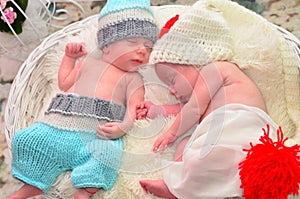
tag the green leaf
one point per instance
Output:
(17, 26)
(22, 3)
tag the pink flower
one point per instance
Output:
(10, 15)
(3, 3)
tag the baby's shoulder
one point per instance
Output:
(226, 68)
(225, 65)
(95, 62)
(134, 75)
(133, 79)
(90, 62)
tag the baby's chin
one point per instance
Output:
(183, 100)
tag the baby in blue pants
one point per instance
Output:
(82, 129)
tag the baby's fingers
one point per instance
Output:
(138, 111)
(82, 49)
(75, 50)
(141, 114)
(140, 105)
(103, 134)
(159, 145)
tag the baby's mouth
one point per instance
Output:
(138, 61)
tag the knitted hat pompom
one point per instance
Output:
(271, 169)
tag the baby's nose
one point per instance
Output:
(172, 91)
(142, 50)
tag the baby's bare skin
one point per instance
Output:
(201, 91)
(158, 187)
(104, 81)
(237, 88)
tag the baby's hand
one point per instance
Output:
(149, 110)
(164, 141)
(142, 109)
(109, 131)
(75, 50)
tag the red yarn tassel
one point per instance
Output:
(168, 25)
(271, 170)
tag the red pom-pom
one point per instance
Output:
(271, 169)
(168, 25)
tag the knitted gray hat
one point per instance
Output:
(121, 19)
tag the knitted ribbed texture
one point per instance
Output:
(41, 153)
(121, 19)
(200, 36)
(70, 104)
(65, 139)
(114, 6)
(72, 122)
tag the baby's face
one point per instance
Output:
(129, 54)
(180, 79)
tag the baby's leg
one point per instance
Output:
(26, 191)
(85, 193)
(157, 188)
(180, 149)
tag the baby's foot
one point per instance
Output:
(157, 188)
(85, 193)
(15, 196)
(26, 191)
(81, 195)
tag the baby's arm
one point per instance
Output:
(147, 109)
(209, 82)
(68, 71)
(134, 95)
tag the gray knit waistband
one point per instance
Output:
(71, 104)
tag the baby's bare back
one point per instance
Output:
(237, 88)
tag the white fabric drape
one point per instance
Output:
(210, 161)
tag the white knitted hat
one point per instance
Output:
(121, 19)
(197, 38)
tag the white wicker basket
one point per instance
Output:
(34, 85)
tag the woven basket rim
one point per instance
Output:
(12, 109)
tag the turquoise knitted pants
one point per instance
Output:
(41, 153)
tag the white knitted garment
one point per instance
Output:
(199, 37)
